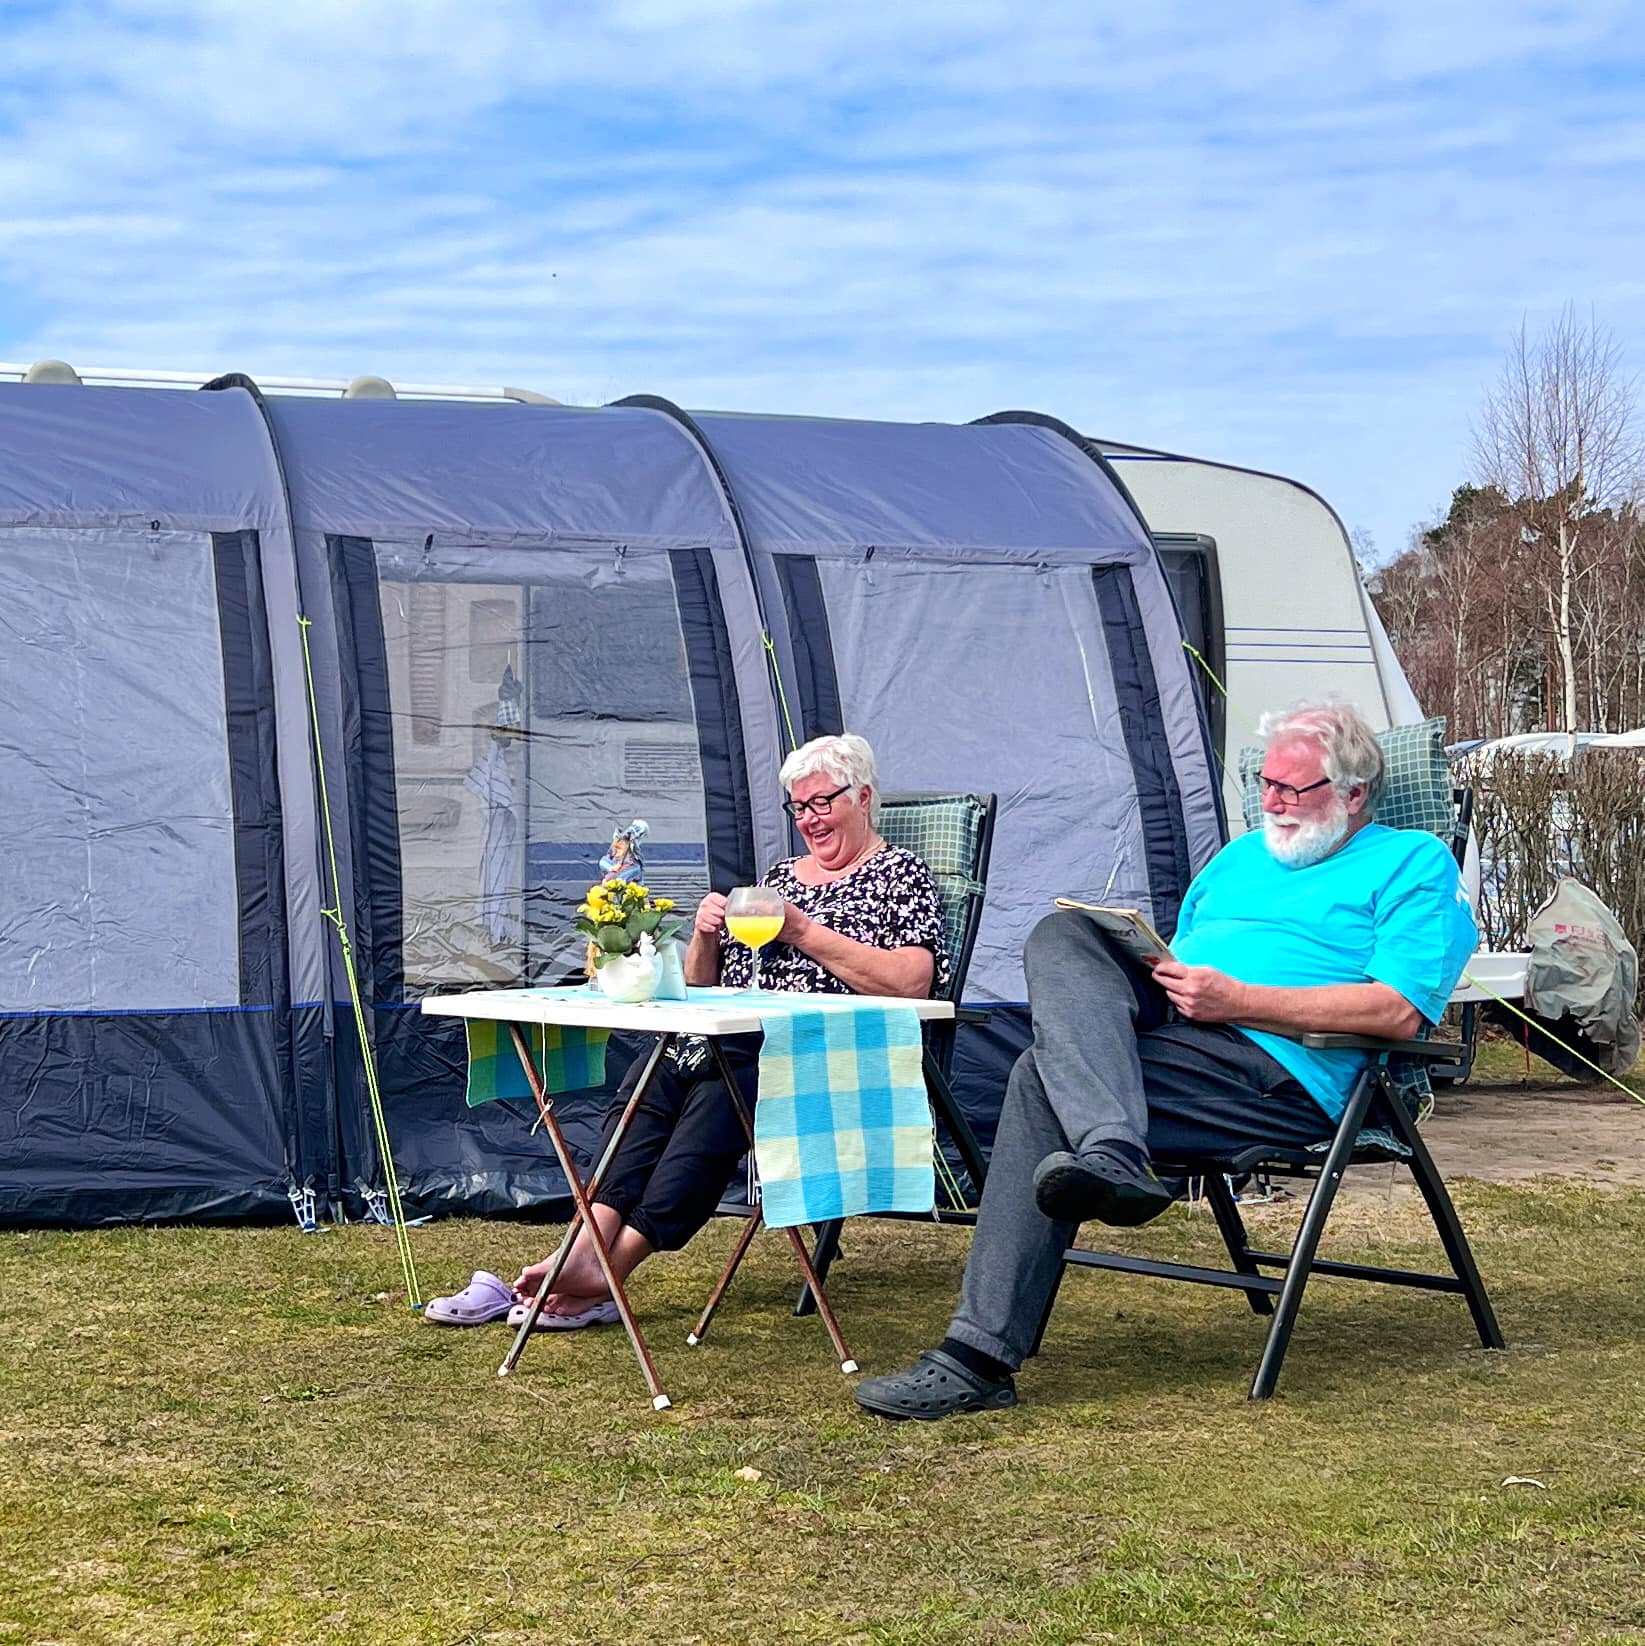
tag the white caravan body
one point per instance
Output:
(1296, 621)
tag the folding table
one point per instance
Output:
(709, 1012)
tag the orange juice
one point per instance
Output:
(756, 930)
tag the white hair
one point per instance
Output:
(846, 758)
(1349, 751)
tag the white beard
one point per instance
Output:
(1301, 845)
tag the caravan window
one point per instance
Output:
(1190, 561)
(538, 697)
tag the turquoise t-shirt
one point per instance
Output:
(1388, 907)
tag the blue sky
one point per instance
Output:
(1295, 235)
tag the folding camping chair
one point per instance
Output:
(954, 835)
(1378, 1126)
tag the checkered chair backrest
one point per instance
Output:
(954, 834)
(1418, 792)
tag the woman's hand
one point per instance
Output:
(796, 925)
(710, 917)
(702, 953)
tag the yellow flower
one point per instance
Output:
(663, 905)
(639, 893)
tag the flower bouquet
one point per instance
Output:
(625, 927)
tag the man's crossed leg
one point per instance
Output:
(1110, 1080)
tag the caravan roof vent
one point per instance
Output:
(51, 371)
(370, 388)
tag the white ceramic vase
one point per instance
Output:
(630, 978)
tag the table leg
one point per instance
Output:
(795, 1238)
(529, 1324)
(751, 1227)
(584, 1213)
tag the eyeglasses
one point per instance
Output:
(1288, 794)
(820, 807)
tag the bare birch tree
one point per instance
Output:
(1558, 435)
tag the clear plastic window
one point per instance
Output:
(531, 717)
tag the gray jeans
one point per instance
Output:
(1107, 1061)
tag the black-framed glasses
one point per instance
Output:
(1288, 794)
(820, 807)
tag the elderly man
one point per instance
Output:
(1323, 921)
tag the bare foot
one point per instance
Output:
(530, 1279)
(570, 1294)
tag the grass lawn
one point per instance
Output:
(245, 1435)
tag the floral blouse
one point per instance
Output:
(888, 901)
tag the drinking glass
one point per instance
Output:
(753, 916)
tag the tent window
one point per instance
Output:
(119, 882)
(537, 698)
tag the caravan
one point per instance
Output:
(1269, 592)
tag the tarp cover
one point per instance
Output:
(1584, 971)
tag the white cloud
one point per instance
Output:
(1295, 240)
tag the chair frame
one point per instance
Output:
(1372, 1097)
(1455, 1068)
(940, 1037)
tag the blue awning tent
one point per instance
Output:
(496, 632)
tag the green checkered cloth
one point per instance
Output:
(566, 1059)
(945, 831)
(1418, 792)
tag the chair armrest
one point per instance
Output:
(1423, 1050)
(972, 1014)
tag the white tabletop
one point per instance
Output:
(707, 1011)
(1489, 976)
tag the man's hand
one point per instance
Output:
(1202, 994)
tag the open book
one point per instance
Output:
(1128, 928)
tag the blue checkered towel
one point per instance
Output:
(842, 1125)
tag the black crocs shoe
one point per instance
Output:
(935, 1386)
(1100, 1185)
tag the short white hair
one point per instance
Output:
(1349, 751)
(846, 758)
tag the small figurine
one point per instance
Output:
(623, 861)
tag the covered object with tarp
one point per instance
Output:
(471, 640)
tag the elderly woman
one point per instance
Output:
(859, 917)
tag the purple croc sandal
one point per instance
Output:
(484, 1298)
